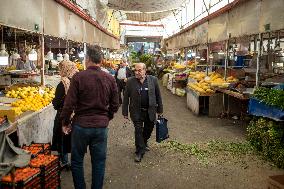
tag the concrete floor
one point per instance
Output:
(162, 169)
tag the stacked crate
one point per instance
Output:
(49, 170)
(38, 148)
(22, 178)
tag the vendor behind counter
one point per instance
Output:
(24, 64)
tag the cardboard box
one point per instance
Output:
(7, 111)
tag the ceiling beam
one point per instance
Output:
(144, 25)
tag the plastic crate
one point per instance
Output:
(22, 178)
(51, 181)
(38, 148)
(49, 166)
(46, 163)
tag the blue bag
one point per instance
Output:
(162, 131)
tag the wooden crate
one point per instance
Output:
(276, 182)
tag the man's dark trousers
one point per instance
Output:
(96, 139)
(143, 131)
(121, 87)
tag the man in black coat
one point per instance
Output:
(123, 72)
(143, 99)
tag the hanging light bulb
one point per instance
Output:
(33, 55)
(236, 47)
(49, 55)
(221, 52)
(81, 54)
(211, 56)
(66, 56)
(202, 59)
(15, 55)
(59, 57)
(277, 48)
(4, 56)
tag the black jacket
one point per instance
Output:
(60, 142)
(132, 99)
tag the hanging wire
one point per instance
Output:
(2, 34)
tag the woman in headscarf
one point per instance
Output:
(61, 142)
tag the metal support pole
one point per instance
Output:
(85, 52)
(258, 60)
(207, 58)
(42, 60)
(226, 57)
(194, 11)
(42, 47)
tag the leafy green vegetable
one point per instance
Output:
(266, 136)
(211, 149)
(273, 97)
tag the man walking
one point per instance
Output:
(143, 99)
(93, 97)
(121, 76)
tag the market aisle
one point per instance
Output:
(163, 168)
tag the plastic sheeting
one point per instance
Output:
(145, 5)
(217, 28)
(245, 19)
(272, 12)
(35, 127)
(58, 21)
(147, 17)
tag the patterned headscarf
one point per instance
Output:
(66, 70)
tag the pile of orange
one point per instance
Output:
(21, 174)
(43, 160)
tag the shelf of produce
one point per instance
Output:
(34, 126)
(197, 101)
(233, 94)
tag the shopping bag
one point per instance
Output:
(162, 131)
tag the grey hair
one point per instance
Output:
(141, 63)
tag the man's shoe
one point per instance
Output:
(138, 157)
(147, 149)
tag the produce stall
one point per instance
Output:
(175, 78)
(28, 108)
(34, 126)
(201, 93)
(16, 76)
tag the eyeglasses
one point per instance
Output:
(139, 70)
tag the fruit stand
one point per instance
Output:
(201, 92)
(29, 111)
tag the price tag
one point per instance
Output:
(41, 91)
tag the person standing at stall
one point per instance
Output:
(93, 96)
(143, 99)
(24, 64)
(121, 76)
(60, 142)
